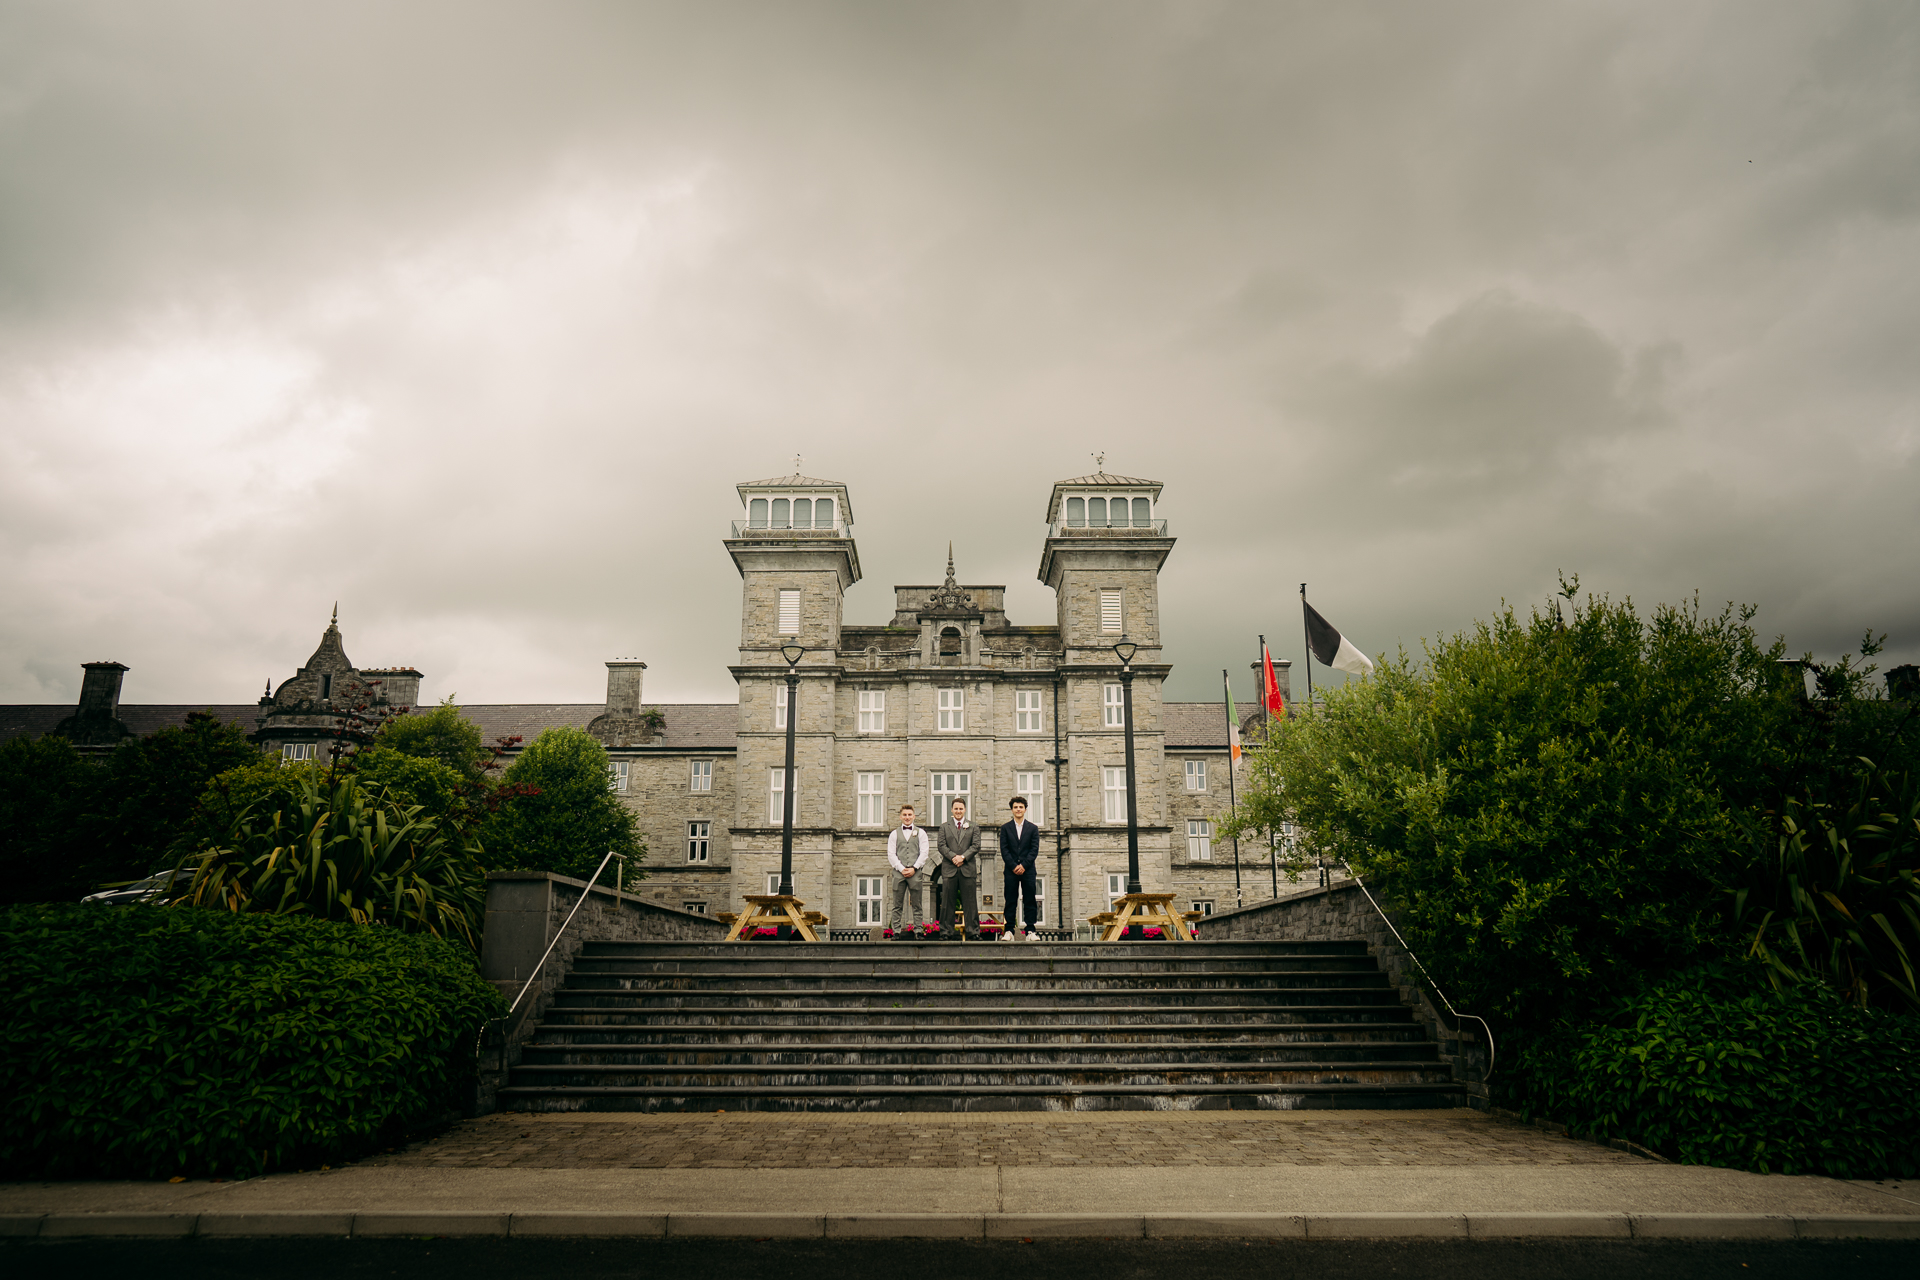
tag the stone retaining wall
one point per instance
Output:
(1343, 913)
(525, 910)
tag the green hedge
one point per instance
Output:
(1777, 1082)
(147, 1042)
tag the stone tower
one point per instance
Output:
(796, 556)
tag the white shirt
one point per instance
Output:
(1019, 828)
(893, 847)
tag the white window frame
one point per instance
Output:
(1199, 840)
(1032, 785)
(780, 704)
(944, 786)
(296, 752)
(1113, 612)
(952, 707)
(1196, 775)
(617, 771)
(698, 908)
(872, 710)
(699, 840)
(1113, 793)
(866, 900)
(1113, 707)
(700, 775)
(773, 883)
(870, 803)
(1203, 905)
(1039, 902)
(776, 782)
(1028, 713)
(1116, 887)
(789, 611)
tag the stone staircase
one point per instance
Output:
(943, 1026)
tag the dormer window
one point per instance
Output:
(757, 514)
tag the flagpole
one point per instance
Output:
(1307, 631)
(1266, 719)
(1232, 802)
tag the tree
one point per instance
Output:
(45, 786)
(564, 819)
(1550, 804)
(442, 735)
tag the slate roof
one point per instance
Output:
(691, 726)
(1101, 477)
(695, 726)
(1194, 724)
(32, 720)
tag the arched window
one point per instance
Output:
(780, 516)
(757, 514)
(1097, 512)
(1142, 513)
(1076, 513)
(823, 513)
(803, 513)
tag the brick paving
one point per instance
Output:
(766, 1140)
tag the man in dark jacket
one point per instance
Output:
(1020, 854)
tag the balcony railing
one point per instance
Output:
(747, 529)
(1145, 529)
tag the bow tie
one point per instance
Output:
(908, 827)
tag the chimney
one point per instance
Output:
(623, 687)
(100, 689)
(399, 686)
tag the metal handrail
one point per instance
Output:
(620, 875)
(1492, 1051)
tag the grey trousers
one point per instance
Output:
(905, 887)
(960, 891)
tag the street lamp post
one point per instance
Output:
(1125, 651)
(792, 653)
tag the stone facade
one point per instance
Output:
(945, 692)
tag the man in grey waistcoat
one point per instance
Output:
(958, 874)
(907, 857)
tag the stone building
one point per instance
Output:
(946, 697)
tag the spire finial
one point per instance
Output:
(269, 692)
(949, 564)
(336, 614)
(796, 464)
(1100, 462)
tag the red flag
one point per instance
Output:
(1276, 705)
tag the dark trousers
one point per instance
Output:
(960, 891)
(1020, 890)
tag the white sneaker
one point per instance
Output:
(1006, 935)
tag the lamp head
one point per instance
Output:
(1125, 650)
(792, 653)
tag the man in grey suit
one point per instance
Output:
(907, 855)
(958, 874)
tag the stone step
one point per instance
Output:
(1007, 1034)
(757, 985)
(884, 998)
(1031, 1075)
(1037, 1056)
(1011, 1017)
(1015, 966)
(809, 952)
(987, 1098)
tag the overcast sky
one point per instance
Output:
(471, 316)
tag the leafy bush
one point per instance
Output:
(564, 818)
(1549, 803)
(441, 735)
(1831, 893)
(1788, 1081)
(337, 852)
(146, 1042)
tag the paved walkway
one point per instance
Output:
(1455, 1174)
(764, 1140)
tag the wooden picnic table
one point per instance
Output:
(1145, 909)
(776, 909)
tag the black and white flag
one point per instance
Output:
(1332, 648)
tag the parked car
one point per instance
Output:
(154, 886)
